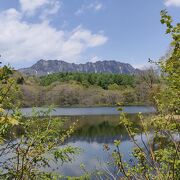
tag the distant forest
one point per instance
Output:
(89, 89)
(104, 80)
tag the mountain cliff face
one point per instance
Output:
(44, 67)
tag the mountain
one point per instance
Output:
(44, 67)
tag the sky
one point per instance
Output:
(80, 31)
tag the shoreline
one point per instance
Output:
(88, 106)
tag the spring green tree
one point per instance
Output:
(157, 155)
(28, 144)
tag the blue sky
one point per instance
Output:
(84, 30)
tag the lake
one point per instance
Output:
(91, 110)
(96, 127)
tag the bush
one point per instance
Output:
(25, 142)
(158, 154)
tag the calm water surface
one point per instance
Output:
(92, 133)
(96, 127)
(92, 110)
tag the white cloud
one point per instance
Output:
(86, 37)
(96, 6)
(172, 3)
(95, 59)
(53, 8)
(22, 41)
(140, 66)
(30, 6)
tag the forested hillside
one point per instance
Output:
(104, 80)
(89, 89)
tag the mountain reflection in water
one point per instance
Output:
(92, 133)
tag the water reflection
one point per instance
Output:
(100, 129)
(92, 133)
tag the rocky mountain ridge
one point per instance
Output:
(44, 67)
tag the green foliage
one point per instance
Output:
(99, 79)
(90, 89)
(28, 144)
(7, 100)
(170, 99)
(20, 80)
(113, 87)
(157, 155)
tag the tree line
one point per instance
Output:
(104, 80)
